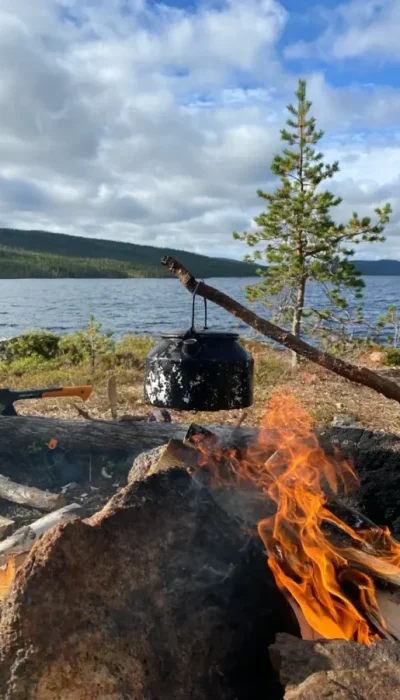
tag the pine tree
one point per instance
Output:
(297, 236)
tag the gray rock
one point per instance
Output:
(336, 669)
(345, 420)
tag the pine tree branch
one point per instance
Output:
(348, 235)
(358, 375)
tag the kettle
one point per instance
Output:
(199, 370)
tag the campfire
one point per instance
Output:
(226, 550)
(324, 556)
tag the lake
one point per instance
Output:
(142, 306)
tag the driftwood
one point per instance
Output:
(359, 375)
(23, 539)
(29, 495)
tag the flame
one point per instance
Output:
(7, 575)
(52, 444)
(308, 545)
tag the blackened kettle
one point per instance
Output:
(199, 371)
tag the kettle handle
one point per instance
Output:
(205, 310)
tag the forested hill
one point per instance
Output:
(44, 254)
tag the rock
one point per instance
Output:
(377, 357)
(344, 420)
(158, 596)
(336, 669)
(143, 463)
(69, 487)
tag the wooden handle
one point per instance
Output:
(83, 391)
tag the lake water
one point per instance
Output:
(143, 306)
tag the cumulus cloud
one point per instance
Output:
(359, 28)
(150, 123)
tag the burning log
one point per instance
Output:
(29, 495)
(389, 605)
(356, 374)
(263, 493)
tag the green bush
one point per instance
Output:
(28, 364)
(138, 345)
(32, 344)
(91, 344)
(392, 357)
(75, 347)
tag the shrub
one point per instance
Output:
(87, 345)
(392, 357)
(135, 345)
(35, 344)
(27, 364)
(75, 347)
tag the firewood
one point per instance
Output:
(197, 435)
(23, 539)
(29, 495)
(175, 454)
(389, 606)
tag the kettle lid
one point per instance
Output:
(214, 335)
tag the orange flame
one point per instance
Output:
(308, 546)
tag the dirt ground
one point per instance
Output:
(323, 394)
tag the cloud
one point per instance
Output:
(154, 124)
(357, 29)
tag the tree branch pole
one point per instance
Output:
(356, 374)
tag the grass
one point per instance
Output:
(322, 393)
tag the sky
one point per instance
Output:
(156, 123)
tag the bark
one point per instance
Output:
(29, 495)
(356, 374)
(297, 317)
(97, 437)
(389, 605)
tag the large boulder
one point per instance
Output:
(158, 596)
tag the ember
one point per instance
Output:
(318, 560)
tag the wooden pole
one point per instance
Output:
(356, 374)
